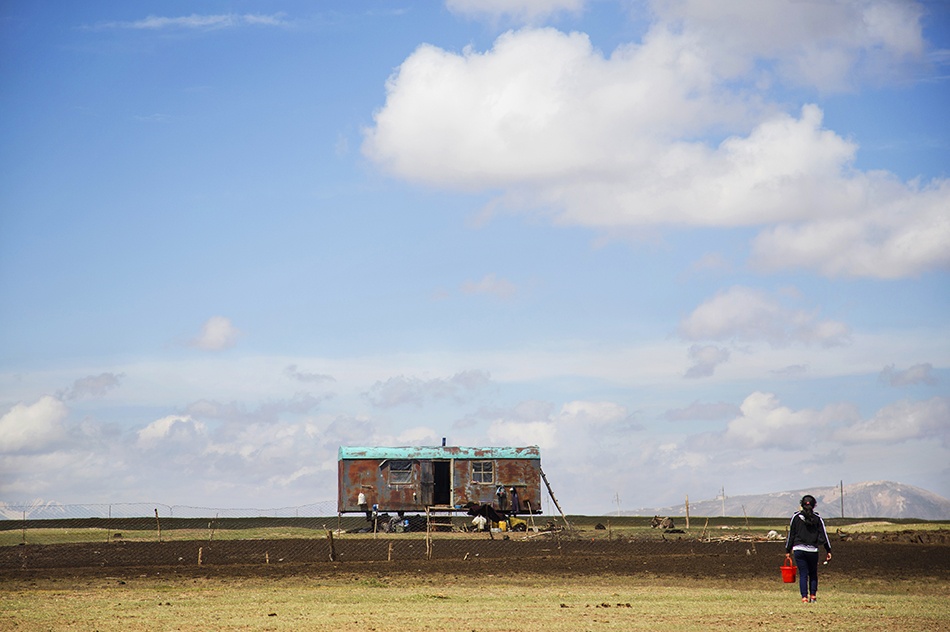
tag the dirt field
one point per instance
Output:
(896, 556)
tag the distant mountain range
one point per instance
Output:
(878, 499)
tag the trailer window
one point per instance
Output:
(483, 472)
(400, 472)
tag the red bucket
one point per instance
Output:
(788, 571)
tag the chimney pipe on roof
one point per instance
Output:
(443, 442)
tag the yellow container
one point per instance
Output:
(503, 525)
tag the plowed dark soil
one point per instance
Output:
(866, 558)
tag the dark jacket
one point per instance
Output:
(800, 532)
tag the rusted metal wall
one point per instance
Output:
(368, 470)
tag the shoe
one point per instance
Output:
(805, 600)
(813, 598)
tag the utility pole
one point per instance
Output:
(842, 497)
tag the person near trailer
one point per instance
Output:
(806, 532)
(515, 502)
(364, 506)
(501, 498)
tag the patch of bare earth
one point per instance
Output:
(893, 556)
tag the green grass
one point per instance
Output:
(457, 602)
(885, 526)
(50, 531)
(73, 535)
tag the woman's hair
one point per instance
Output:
(808, 508)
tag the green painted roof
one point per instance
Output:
(438, 452)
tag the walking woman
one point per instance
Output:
(805, 533)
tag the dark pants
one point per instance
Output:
(807, 572)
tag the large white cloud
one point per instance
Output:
(575, 423)
(746, 314)
(901, 230)
(822, 44)
(604, 431)
(542, 106)
(902, 421)
(177, 429)
(632, 138)
(33, 427)
(764, 423)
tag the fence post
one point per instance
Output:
(24, 527)
(332, 547)
(428, 535)
(159, 523)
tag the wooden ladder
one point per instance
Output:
(439, 519)
(551, 493)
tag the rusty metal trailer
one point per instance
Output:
(414, 479)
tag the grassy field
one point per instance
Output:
(343, 598)
(378, 602)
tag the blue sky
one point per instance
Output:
(680, 249)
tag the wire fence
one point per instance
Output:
(115, 535)
(56, 511)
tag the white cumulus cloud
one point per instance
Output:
(521, 433)
(746, 314)
(677, 130)
(216, 334)
(93, 386)
(175, 428)
(705, 360)
(902, 421)
(592, 413)
(917, 374)
(574, 423)
(881, 229)
(764, 423)
(823, 44)
(33, 427)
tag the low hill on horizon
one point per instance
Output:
(874, 499)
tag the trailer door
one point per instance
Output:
(442, 475)
(428, 483)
